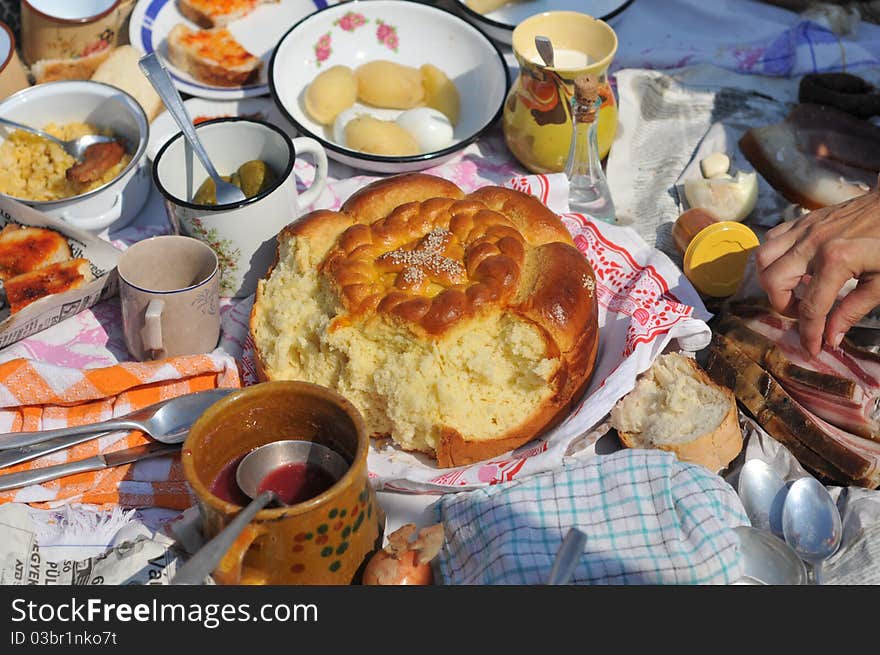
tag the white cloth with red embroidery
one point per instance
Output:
(644, 303)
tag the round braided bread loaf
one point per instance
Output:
(460, 325)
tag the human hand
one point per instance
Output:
(824, 249)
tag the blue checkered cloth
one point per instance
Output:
(649, 519)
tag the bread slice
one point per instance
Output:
(80, 68)
(24, 249)
(218, 13)
(676, 407)
(24, 289)
(212, 56)
(121, 70)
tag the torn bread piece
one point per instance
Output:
(676, 407)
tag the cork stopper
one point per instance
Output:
(586, 91)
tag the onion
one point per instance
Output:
(402, 562)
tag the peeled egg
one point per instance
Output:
(430, 128)
(342, 119)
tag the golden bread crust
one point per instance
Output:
(82, 68)
(415, 251)
(714, 449)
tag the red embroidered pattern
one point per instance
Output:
(626, 287)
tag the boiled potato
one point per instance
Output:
(330, 92)
(378, 137)
(440, 92)
(390, 85)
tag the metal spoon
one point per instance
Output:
(152, 67)
(167, 421)
(811, 523)
(249, 475)
(767, 559)
(762, 491)
(76, 148)
(545, 49)
(567, 557)
(200, 565)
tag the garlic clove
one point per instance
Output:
(715, 165)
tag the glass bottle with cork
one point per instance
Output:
(588, 191)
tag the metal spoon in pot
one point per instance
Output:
(151, 65)
(76, 148)
(252, 476)
(812, 523)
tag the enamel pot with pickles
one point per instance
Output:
(259, 158)
(537, 113)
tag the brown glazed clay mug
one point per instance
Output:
(169, 287)
(325, 540)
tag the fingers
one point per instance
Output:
(785, 257)
(834, 264)
(861, 300)
(780, 277)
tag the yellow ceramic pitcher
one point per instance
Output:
(537, 112)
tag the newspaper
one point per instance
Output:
(52, 309)
(135, 555)
(668, 122)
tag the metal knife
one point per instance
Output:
(14, 456)
(96, 463)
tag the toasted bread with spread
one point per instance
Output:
(218, 13)
(24, 249)
(59, 277)
(212, 56)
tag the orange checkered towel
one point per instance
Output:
(39, 396)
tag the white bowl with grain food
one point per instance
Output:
(34, 170)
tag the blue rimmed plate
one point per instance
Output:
(258, 32)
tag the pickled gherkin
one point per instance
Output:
(252, 177)
(255, 176)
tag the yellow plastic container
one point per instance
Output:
(537, 113)
(715, 260)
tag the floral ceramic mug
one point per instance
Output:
(243, 233)
(76, 31)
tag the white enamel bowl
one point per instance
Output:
(410, 33)
(116, 203)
